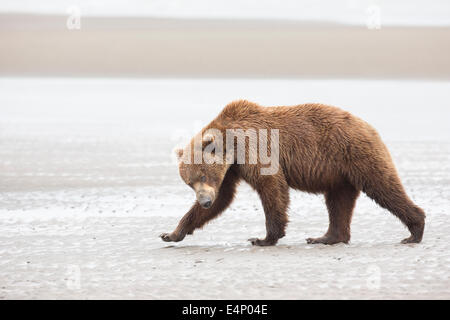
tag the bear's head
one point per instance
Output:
(203, 167)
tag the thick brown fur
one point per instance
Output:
(323, 150)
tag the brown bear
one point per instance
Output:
(321, 149)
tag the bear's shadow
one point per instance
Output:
(285, 247)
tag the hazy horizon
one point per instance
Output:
(164, 108)
(352, 12)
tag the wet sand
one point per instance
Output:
(85, 192)
(151, 47)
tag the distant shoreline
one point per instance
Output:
(34, 45)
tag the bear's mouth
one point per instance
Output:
(206, 204)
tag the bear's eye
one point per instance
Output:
(203, 179)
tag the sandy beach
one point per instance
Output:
(87, 183)
(169, 47)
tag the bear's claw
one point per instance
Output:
(316, 241)
(326, 240)
(261, 243)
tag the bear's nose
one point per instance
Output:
(207, 204)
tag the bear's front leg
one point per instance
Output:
(197, 216)
(186, 225)
(274, 194)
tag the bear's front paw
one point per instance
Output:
(262, 243)
(168, 237)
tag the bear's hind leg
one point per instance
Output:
(389, 194)
(381, 183)
(340, 203)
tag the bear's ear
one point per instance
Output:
(208, 139)
(179, 153)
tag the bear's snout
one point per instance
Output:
(205, 199)
(205, 195)
(205, 203)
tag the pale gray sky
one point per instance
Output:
(392, 12)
